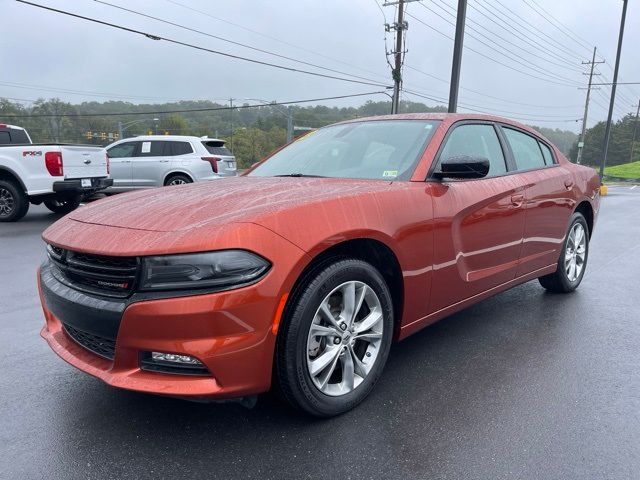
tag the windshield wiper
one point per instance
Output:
(300, 175)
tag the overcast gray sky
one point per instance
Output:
(46, 53)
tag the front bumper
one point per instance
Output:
(75, 185)
(231, 333)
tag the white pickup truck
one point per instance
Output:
(56, 174)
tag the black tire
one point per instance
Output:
(559, 280)
(14, 203)
(177, 179)
(63, 205)
(292, 370)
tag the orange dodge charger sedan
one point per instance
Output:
(303, 271)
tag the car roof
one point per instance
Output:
(451, 118)
(174, 137)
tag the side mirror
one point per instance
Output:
(463, 166)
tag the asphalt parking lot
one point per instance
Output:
(524, 385)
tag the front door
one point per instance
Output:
(152, 163)
(478, 224)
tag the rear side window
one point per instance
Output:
(217, 148)
(180, 148)
(525, 148)
(123, 150)
(475, 141)
(13, 135)
(155, 148)
(546, 153)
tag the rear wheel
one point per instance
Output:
(573, 258)
(335, 338)
(63, 204)
(14, 203)
(177, 180)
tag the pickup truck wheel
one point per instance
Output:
(63, 204)
(334, 338)
(14, 203)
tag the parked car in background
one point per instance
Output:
(57, 175)
(305, 269)
(157, 160)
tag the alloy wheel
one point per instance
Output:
(177, 181)
(7, 202)
(344, 339)
(575, 252)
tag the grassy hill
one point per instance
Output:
(626, 170)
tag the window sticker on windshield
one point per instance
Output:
(390, 173)
(146, 147)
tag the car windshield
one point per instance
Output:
(377, 150)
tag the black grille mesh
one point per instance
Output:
(104, 347)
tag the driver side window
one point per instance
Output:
(475, 140)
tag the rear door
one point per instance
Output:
(548, 199)
(120, 160)
(151, 163)
(226, 161)
(479, 224)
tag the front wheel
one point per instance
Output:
(573, 258)
(335, 338)
(14, 203)
(63, 204)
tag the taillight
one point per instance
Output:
(213, 161)
(108, 166)
(53, 162)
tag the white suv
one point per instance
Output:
(157, 160)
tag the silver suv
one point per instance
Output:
(157, 160)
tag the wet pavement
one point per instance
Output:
(526, 385)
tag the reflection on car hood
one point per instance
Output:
(218, 202)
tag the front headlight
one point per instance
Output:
(221, 269)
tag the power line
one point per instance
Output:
(565, 64)
(513, 102)
(513, 55)
(489, 57)
(270, 37)
(198, 47)
(556, 23)
(533, 29)
(45, 88)
(489, 113)
(200, 32)
(525, 33)
(192, 110)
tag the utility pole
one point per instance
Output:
(586, 106)
(120, 131)
(607, 133)
(635, 131)
(231, 123)
(289, 124)
(457, 56)
(399, 26)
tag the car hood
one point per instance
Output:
(215, 203)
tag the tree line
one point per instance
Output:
(252, 133)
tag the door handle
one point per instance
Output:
(516, 200)
(164, 161)
(568, 184)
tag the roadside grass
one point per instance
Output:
(626, 170)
